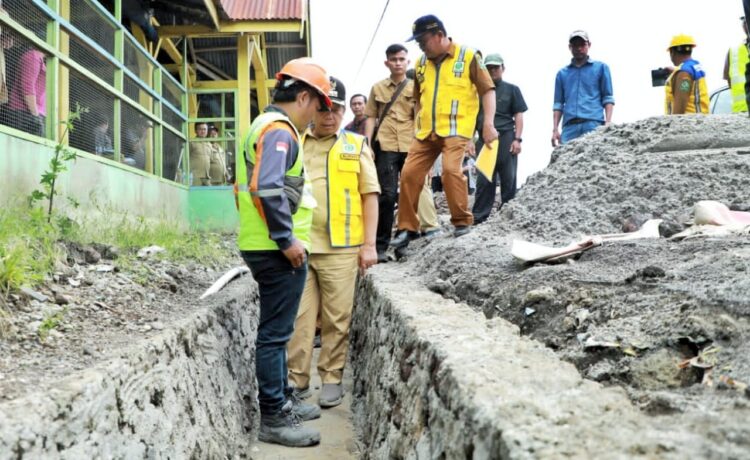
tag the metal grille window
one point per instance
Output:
(93, 132)
(23, 96)
(172, 118)
(28, 15)
(135, 92)
(87, 18)
(173, 159)
(137, 144)
(89, 59)
(171, 92)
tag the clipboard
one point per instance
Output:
(487, 159)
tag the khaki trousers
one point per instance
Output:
(422, 155)
(329, 291)
(426, 209)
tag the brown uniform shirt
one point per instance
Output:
(316, 166)
(478, 74)
(396, 130)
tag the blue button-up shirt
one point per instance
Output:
(582, 92)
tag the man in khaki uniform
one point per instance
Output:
(338, 162)
(217, 170)
(200, 156)
(395, 134)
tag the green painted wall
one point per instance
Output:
(213, 208)
(102, 185)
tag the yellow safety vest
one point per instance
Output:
(738, 59)
(345, 221)
(253, 235)
(448, 99)
(698, 102)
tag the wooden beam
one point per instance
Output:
(211, 8)
(230, 27)
(204, 63)
(168, 45)
(243, 85)
(261, 72)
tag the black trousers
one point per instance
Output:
(389, 166)
(505, 171)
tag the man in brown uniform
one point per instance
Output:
(450, 81)
(395, 134)
(345, 185)
(200, 156)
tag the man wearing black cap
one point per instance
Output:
(345, 185)
(583, 93)
(450, 80)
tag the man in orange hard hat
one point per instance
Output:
(686, 89)
(276, 206)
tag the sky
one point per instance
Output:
(532, 36)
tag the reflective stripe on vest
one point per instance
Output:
(253, 234)
(698, 101)
(448, 99)
(738, 59)
(345, 220)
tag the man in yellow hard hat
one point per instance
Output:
(734, 71)
(275, 203)
(686, 89)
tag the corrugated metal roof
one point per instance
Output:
(243, 10)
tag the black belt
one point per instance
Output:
(576, 121)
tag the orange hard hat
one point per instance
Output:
(308, 71)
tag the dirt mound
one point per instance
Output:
(665, 319)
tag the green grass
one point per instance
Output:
(30, 247)
(50, 322)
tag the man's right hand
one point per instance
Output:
(295, 254)
(555, 137)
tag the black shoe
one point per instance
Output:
(461, 230)
(382, 257)
(402, 238)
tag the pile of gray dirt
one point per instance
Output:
(667, 320)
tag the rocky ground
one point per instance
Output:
(95, 304)
(667, 320)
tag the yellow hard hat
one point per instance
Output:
(681, 40)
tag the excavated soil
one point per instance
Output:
(667, 320)
(93, 306)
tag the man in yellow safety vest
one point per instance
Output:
(450, 80)
(345, 186)
(734, 71)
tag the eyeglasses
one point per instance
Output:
(337, 109)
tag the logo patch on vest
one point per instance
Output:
(348, 148)
(458, 67)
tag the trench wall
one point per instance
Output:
(434, 379)
(187, 393)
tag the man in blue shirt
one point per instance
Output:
(582, 89)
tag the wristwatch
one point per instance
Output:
(518, 139)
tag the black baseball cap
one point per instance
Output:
(337, 94)
(427, 23)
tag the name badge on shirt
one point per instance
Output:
(349, 152)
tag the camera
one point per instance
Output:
(659, 76)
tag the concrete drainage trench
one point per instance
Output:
(431, 378)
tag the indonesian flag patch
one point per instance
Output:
(282, 147)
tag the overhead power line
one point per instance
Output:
(372, 40)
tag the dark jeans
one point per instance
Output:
(389, 166)
(280, 287)
(505, 171)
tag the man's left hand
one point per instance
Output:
(515, 148)
(489, 133)
(368, 256)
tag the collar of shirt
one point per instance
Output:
(309, 133)
(451, 51)
(573, 62)
(275, 108)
